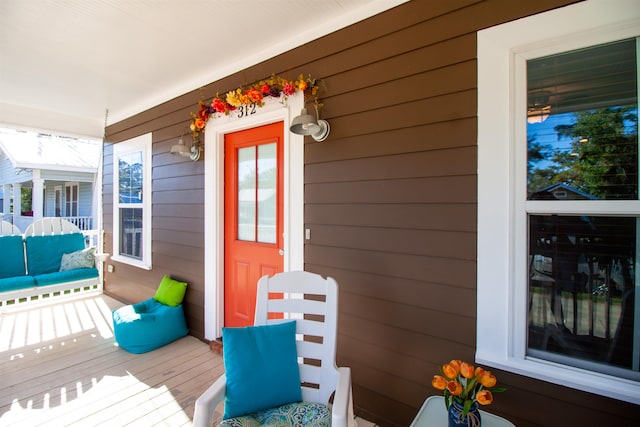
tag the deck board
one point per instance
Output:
(60, 365)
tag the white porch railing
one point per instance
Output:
(82, 222)
(22, 222)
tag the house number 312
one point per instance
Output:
(246, 110)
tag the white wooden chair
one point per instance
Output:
(8, 229)
(51, 225)
(313, 302)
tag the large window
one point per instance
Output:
(558, 206)
(132, 201)
(582, 145)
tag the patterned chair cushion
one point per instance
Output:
(292, 414)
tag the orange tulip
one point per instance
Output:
(487, 379)
(451, 370)
(454, 387)
(466, 370)
(484, 397)
(439, 382)
(478, 371)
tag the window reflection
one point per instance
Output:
(582, 146)
(130, 178)
(131, 232)
(582, 123)
(257, 195)
(581, 286)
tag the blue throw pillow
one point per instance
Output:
(261, 364)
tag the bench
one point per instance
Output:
(51, 259)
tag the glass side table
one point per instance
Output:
(434, 414)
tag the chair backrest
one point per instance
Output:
(312, 301)
(8, 229)
(51, 225)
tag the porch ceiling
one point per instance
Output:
(64, 63)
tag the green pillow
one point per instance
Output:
(170, 292)
(261, 365)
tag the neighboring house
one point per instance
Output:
(59, 173)
(412, 203)
(560, 191)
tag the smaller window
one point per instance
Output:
(71, 199)
(132, 201)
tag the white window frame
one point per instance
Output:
(67, 201)
(502, 223)
(141, 143)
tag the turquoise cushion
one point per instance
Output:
(65, 276)
(18, 282)
(145, 326)
(306, 414)
(12, 256)
(261, 365)
(44, 253)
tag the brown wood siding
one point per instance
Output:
(390, 199)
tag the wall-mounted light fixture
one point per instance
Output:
(538, 107)
(193, 152)
(306, 124)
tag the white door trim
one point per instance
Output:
(273, 111)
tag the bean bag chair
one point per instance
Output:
(153, 323)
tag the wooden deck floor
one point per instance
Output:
(60, 366)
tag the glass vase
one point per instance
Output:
(472, 419)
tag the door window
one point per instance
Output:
(257, 195)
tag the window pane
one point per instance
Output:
(130, 178)
(68, 202)
(582, 124)
(267, 195)
(582, 273)
(131, 232)
(247, 194)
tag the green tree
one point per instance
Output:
(538, 177)
(603, 160)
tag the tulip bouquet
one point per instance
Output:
(465, 384)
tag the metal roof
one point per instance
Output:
(30, 150)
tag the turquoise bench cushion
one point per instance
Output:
(11, 256)
(145, 326)
(65, 276)
(306, 414)
(44, 253)
(15, 283)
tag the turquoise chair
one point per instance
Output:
(153, 323)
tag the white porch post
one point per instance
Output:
(6, 203)
(17, 202)
(37, 200)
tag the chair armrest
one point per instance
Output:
(207, 402)
(342, 410)
(100, 256)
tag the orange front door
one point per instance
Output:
(253, 221)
